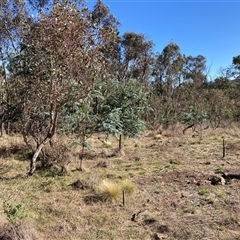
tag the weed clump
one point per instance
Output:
(13, 211)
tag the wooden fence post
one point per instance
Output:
(224, 148)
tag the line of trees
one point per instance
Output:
(66, 69)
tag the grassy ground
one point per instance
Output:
(172, 182)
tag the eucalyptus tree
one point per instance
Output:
(166, 78)
(127, 56)
(106, 32)
(233, 73)
(234, 70)
(13, 21)
(122, 110)
(195, 85)
(79, 120)
(105, 29)
(44, 7)
(136, 57)
(167, 71)
(195, 70)
(57, 65)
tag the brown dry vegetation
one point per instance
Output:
(175, 197)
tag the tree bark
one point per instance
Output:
(3, 131)
(81, 159)
(120, 143)
(35, 156)
(50, 134)
(186, 128)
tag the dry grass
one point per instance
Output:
(109, 190)
(169, 176)
(19, 231)
(127, 186)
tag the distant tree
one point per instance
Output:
(167, 69)
(222, 83)
(219, 106)
(234, 69)
(105, 30)
(136, 57)
(195, 70)
(166, 78)
(236, 61)
(194, 85)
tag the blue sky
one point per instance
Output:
(209, 28)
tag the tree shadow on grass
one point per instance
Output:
(18, 176)
(230, 176)
(19, 152)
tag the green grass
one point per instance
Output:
(204, 192)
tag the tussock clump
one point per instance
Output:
(127, 186)
(109, 190)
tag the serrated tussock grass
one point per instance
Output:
(109, 190)
(127, 186)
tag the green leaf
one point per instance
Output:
(88, 145)
(74, 144)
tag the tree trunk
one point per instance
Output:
(120, 143)
(96, 106)
(35, 156)
(8, 128)
(187, 127)
(3, 131)
(81, 159)
(49, 136)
